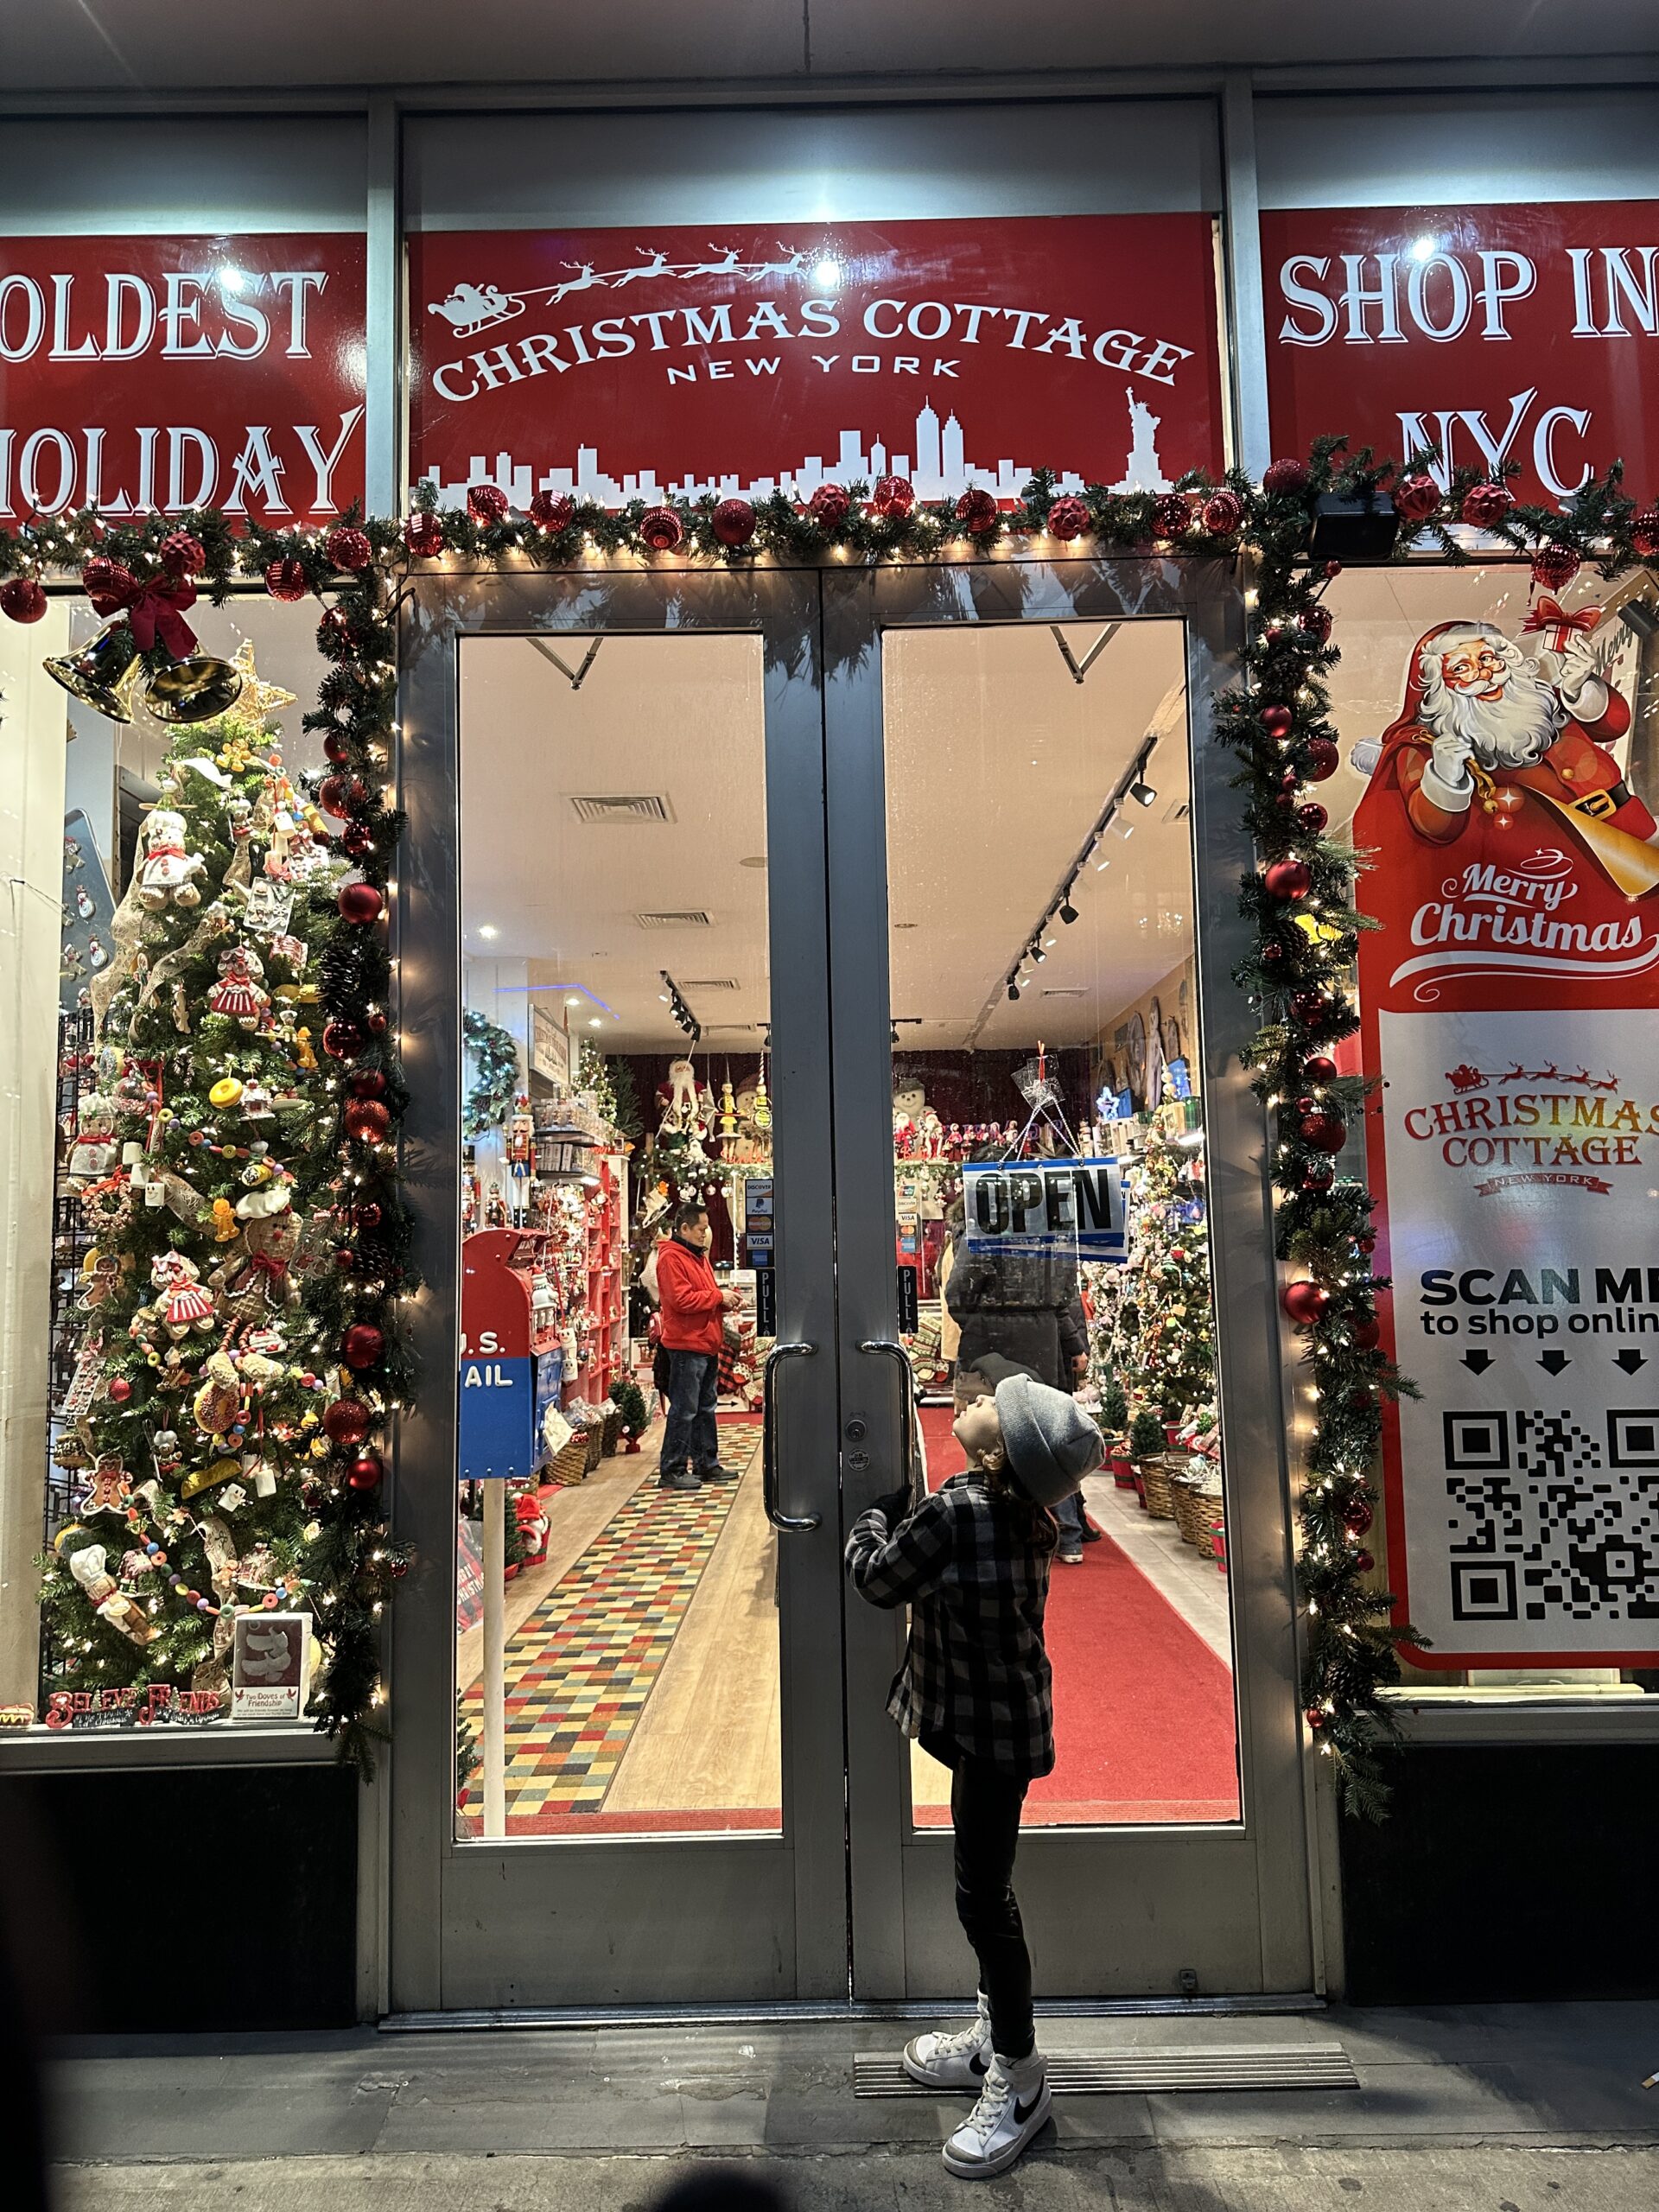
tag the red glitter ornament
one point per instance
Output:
(734, 522)
(976, 510)
(347, 1421)
(829, 507)
(285, 579)
(1273, 956)
(338, 795)
(22, 599)
(1357, 1516)
(183, 553)
(1367, 1332)
(1284, 478)
(358, 839)
(1313, 817)
(360, 903)
(486, 504)
(1309, 1007)
(1068, 516)
(423, 535)
(1277, 722)
(367, 1472)
(1553, 567)
(1415, 498)
(1484, 506)
(552, 510)
(348, 548)
(1171, 515)
(1645, 533)
(1223, 514)
(367, 1120)
(1364, 1561)
(1288, 880)
(1321, 760)
(1304, 1301)
(362, 1346)
(661, 529)
(367, 1082)
(1314, 621)
(893, 497)
(367, 1216)
(341, 1040)
(1323, 1130)
(1317, 1177)
(103, 578)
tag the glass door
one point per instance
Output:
(1037, 975)
(620, 1764)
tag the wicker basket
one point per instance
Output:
(594, 1439)
(569, 1463)
(612, 1432)
(1157, 1488)
(1184, 1497)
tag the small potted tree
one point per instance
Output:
(629, 1402)
(1114, 1422)
(1152, 1475)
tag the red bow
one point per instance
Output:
(267, 1264)
(153, 610)
(1549, 614)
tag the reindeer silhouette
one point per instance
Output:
(658, 265)
(585, 282)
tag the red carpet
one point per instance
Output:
(1143, 1709)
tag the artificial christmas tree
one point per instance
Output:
(1162, 1347)
(238, 1349)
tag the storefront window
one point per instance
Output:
(1044, 1010)
(617, 1651)
(1498, 769)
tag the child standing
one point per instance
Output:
(972, 1562)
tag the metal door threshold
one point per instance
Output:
(823, 2009)
(1119, 2073)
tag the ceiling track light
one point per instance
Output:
(1068, 912)
(1143, 793)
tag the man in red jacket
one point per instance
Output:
(693, 1304)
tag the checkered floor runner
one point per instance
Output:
(580, 1668)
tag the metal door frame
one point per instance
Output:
(1117, 1913)
(702, 1919)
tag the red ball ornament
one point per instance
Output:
(552, 510)
(377, 1023)
(1416, 497)
(1553, 567)
(1273, 956)
(661, 529)
(1320, 1069)
(22, 599)
(183, 553)
(1645, 533)
(1357, 1516)
(1317, 1178)
(1304, 1301)
(486, 504)
(1171, 515)
(1288, 880)
(976, 510)
(829, 507)
(1324, 1131)
(1309, 1007)
(367, 1472)
(1277, 722)
(347, 1421)
(1367, 1332)
(337, 747)
(423, 535)
(1313, 817)
(358, 839)
(120, 1389)
(285, 579)
(367, 1120)
(1315, 1717)
(893, 497)
(1364, 1561)
(1223, 514)
(341, 1040)
(1284, 478)
(367, 1216)
(734, 522)
(1320, 760)
(1484, 506)
(367, 1082)
(362, 1344)
(1367, 1242)
(360, 903)
(104, 579)
(1314, 621)
(345, 1259)
(348, 548)
(1068, 516)
(338, 795)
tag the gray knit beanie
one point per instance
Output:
(1052, 1444)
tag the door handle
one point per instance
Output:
(793, 1523)
(885, 1348)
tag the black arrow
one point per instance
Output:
(1477, 1362)
(1554, 1361)
(1629, 1361)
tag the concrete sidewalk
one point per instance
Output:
(1514, 2108)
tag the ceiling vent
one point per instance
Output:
(602, 809)
(1066, 991)
(1177, 811)
(708, 983)
(690, 920)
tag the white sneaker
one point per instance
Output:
(953, 2061)
(1012, 2106)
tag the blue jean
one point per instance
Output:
(693, 1393)
(1069, 1514)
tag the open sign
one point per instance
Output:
(1046, 1206)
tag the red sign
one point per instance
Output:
(622, 364)
(1515, 333)
(1508, 1008)
(149, 373)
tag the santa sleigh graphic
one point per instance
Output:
(472, 308)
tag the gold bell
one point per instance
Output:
(196, 691)
(102, 674)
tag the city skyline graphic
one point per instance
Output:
(937, 464)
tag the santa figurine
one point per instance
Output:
(1481, 725)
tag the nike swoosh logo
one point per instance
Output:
(978, 2063)
(1022, 2112)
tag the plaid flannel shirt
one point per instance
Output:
(975, 1672)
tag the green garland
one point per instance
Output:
(1276, 722)
(489, 1099)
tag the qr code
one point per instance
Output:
(1554, 1515)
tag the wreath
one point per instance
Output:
(495, 1055)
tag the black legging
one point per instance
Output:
(985, 1808)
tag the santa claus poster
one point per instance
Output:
(1508, 1013)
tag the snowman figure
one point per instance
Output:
(95, 955)
(84, 905)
